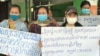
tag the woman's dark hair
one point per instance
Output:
(2, 54)
(17, 6)
(37, 10)
(46, 8)
(84, 3)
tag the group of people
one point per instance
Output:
(44, 19)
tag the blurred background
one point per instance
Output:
(28, 8)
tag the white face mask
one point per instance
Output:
(72, 20)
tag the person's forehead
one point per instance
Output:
(14, 9)
(86, 5)
(42, 9)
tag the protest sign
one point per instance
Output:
(62, 41)
(18, 43)
(89, 20)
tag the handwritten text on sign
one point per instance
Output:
(62, 41)
(89, 20)
(18, 43)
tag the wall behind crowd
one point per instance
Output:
(76, 4)
(59, 10)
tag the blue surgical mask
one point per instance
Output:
(14, 17)
(85, 11)
(42, 17)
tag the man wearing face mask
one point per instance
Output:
(85, 8)
(14, 21)
(71, 16)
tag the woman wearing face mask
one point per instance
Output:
(71, 16)
(85, 8)
(14, 21)
(42, 20)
